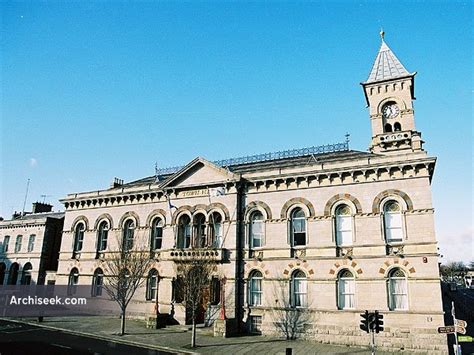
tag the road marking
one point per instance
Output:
(61, 346)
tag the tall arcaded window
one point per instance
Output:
(255, 289)
(298, 289)
(156, 234)
(184, 232)
(97, 282)
(73, 281)
(128, 234)
(102, 236)
(343, 225)
(152, 285)
(256, 228)
(397, 290)
(200, 230)
(345, 290)
(26, 274)
(297, 227)
(215, 230)
(392, 218)
(78, 237)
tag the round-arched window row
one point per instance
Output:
(199, 232)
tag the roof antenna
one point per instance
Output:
(26, 196)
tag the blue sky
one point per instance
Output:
(94, 90)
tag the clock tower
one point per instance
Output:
(389, 92)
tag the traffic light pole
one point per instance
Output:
(454, 322)
(372, 341)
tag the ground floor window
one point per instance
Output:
(256, 324)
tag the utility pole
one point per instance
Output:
(26, 196)
(456, 351)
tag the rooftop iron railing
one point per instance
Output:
(291, 153)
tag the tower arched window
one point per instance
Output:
(343, 225)
(128, 234)
(184, 232)
(392, 218)
(200, 230)
(13, 274)
(397, 127)
(152, 285)
(97, 282)
(102, 236)
(156, 234)
(78, 237)
(73, 281)
(345, 290)
(26, 274)
(397, 290)
(256, 229)
(215, 230)
(255, 288)
(297, 227)
(388, 128)
(298, 289)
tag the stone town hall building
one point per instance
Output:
(328, 230)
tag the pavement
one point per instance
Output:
(176, 339)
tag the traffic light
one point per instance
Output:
(371, 321)
(364, 322)
(378, 322)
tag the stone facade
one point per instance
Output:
(33, 239)
(328, 234)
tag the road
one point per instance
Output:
(17, 339)
(464, 305)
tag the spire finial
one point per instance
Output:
(382, 33)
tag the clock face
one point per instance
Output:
(390, 110)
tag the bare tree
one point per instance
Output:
(453, 271)
(125, 271)
(291, 321)
(193, 281)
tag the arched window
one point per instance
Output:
(343, 225)
(156, 234)
(26, 274)
(6, 241)
(3, 269)
(78, 237)
(177, 289)
(397, 127)
(97, 282)
(152, 285)
(256, 228)
(215, 230)
(18, 241)
(184, 232)
(31, 243)
(13, 274)
(102, 236)
(73, 281)
(397, 290)
(200, 230)
(255, 288)
(392, 218)
(215, 291)
(388, 128)
(345, 290)
(128, 234)
(297, 227)
(298, 289)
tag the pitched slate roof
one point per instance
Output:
(386, 66)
